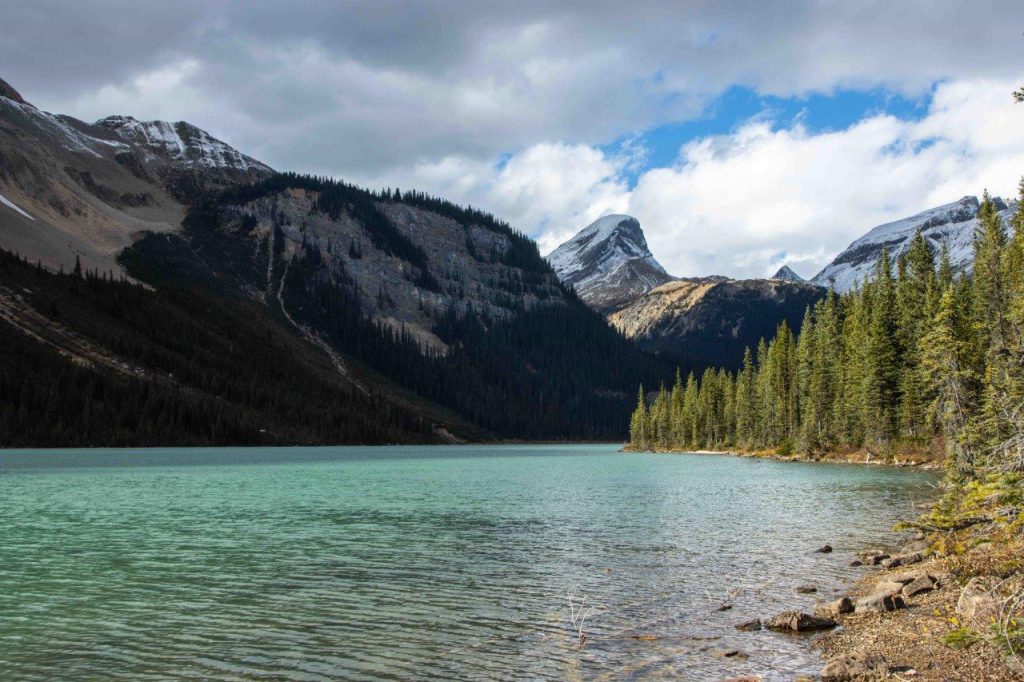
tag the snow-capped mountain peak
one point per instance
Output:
(951, 225)
(609, 262)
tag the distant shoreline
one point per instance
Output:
(859, 457)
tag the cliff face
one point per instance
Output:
(431, 266)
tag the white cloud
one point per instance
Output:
(745, 203)
(548, 190)
(367, 88)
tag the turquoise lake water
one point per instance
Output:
(421, 562)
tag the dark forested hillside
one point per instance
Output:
(499, 341)
(92, 361)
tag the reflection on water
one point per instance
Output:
(359, 563)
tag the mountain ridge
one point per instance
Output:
(951, 224)
(80, 192)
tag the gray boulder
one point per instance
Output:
(976, 603)
(794, 621)
(881, 602)
(920, 585)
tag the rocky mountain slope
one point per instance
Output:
(696, 322)
(710, 321)
(448, 302)
(440, 319)
(71, 189)
(951, 224)
(608, 263)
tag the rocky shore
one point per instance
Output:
(914, 616)
(946, 605)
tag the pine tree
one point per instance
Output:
(990, 303)
(949, 353)
(883, 373)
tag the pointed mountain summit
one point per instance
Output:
(787, 273)
(609, 263)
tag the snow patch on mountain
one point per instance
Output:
(10, 204)
(951, 225)
(180, 142)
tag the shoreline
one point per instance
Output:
(921, 620)
(942, 606)
(858, 457)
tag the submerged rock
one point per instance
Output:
(750, 625)
(794, 621)
(824, 549)
(855, 667)
(874, 557)
(806, 589)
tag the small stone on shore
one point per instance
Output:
(923, 584)
(836, 608)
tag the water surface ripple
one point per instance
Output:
(420, 563)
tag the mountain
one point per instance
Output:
(262, 307)
(608, 263)
(951, 224)
(709, 321)
(786, 273)
(695, 322)
(75, 190)
(448, 302)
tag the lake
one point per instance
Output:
(422, 562)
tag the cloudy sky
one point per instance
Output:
(742, 135)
